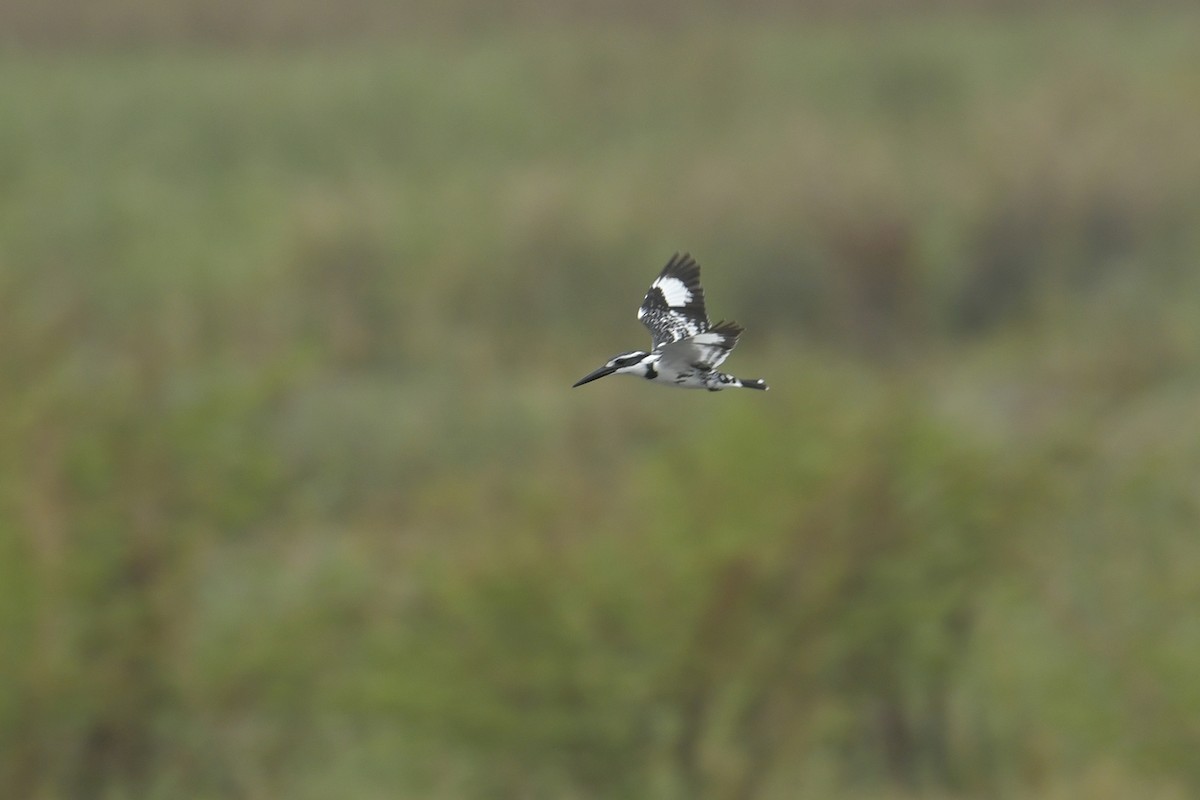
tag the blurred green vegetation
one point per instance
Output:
(295, 500)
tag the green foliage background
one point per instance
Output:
(295, 500)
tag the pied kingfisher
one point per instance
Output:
(686, 349)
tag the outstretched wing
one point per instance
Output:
(674, 307)
(704, 351)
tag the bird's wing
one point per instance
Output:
(705, 351)
(673, 309)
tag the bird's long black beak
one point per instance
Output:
(600, 373)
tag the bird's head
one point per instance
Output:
(626, 362)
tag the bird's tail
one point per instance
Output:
(753, 383)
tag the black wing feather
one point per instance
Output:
(673, 309)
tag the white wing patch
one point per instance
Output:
(674, 291)
(716, 338)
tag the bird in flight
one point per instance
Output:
(685, 350)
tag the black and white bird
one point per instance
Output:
(686, 350)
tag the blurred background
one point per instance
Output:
(296, 500)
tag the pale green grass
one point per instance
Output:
(295, 499)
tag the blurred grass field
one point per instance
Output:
(296, 501)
